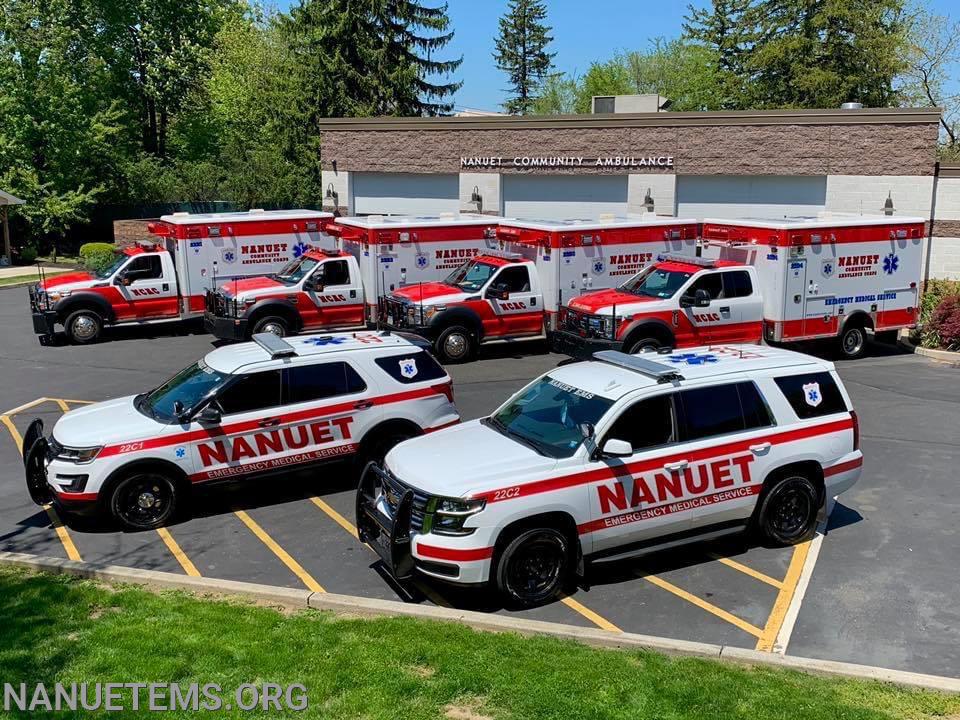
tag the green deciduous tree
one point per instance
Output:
(727, 30)
(683, 71)
(522, 52)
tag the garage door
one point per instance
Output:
(555, 197)
(405, 194)
(723, 196)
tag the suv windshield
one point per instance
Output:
(114, 266)
(295, 270)
(547, 416)
(470, 276)
(190, 386)
(657, 281)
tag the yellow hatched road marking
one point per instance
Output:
(756, 574)
(62, 533)
(188, 567)
(17, 439)
(704, 605)
(78, 402)
(62, 403)
(26, 406)
(780, 606)
(284, 556)
(598, 620)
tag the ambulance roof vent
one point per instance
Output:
(660, 372)
(275, 346)
(687, 260)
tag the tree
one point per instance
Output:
(557, 95)
(683, 71)
(603, 78)
(727, 28)
(522, 54)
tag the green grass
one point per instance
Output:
(56, 628)
(30, 275)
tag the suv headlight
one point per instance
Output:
(445, 516)
(77, 455)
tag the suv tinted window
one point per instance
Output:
(722, 409)
(256, 391)
(812, 395)
(737, 284)
(314, 382)
(411, 367)
(646, 424)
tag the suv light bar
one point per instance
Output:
(275, 346)
(658, 371)
(701, 261)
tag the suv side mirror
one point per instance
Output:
(210, 415)
(617, 448)
(587, 433)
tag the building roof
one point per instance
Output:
(601, 223)
(8, 199)
(823, 220)
(395, 222)
(248, 216)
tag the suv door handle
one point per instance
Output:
(363, 405)
(676, 466)
(269, 422)
(760, 448)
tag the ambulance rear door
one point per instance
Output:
(900, 273)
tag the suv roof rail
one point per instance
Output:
(275, 346)
(672, 257)
(660, 372)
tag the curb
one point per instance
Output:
(943, 356)
(370, 607)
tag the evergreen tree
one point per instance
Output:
(726, 29)
(521, 52)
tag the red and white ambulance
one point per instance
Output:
(514, 293)
(167, 280)
(339, 289)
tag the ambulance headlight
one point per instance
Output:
(77, 455)
(55, 296)
(431, 310)
(446, 516)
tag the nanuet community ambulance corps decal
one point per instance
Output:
(811, 393)
(408, 368)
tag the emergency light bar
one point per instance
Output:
(658, 371)
(275, 346)
(702, 262)
(503, 254)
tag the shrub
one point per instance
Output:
(933, 292)
(97, 255)
(28, 256)
(942, 330)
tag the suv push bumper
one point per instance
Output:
(225, 328)
(582, 348)
(38, 462)
(389, 537)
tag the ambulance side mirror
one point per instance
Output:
(498, 292)
(210, 415)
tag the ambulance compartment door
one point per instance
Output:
(794, 298)
(900, 274)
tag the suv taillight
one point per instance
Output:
(856, 429)
(445, 389)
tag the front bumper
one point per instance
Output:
(225, 328)
(577, 346)
(44, 321)
(48, 480)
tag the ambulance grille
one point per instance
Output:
(397, 312)
(584, 324)
(394, 489)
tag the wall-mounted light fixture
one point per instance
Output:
(476, 197)
(888, 204)
(648, 201)
(331, 194)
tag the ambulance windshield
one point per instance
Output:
(188, 387)
(295, 270)
(547, 415)
(657, 281)
(113, 267)
(470, 276)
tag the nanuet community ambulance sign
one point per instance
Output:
(565, 161)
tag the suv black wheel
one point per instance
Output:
(455, 345)
(534, 567)
(272, 324)
(788, 510)
(853, 342)
(83, 326)
(382, 443)
(144, 500)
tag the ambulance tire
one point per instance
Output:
(788, 509)
(534, 567)
(83, 327)
(853, 341)
(647, 343)
(455, 345)
(145, 499)
(272, 324)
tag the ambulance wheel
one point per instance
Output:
(143, 500)
(455, 345)
(853, 342)
(788, 510)
(272, 324)
(534, 567)
(635, 346)
(83, 326)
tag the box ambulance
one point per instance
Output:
(167, 280)
(514, 293)
(340, 288)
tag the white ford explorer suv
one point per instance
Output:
(249, 409)
(614, 457)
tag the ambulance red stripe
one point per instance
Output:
(250, 425)
(607, 473)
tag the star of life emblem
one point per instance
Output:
(408, 368)
(811, 394)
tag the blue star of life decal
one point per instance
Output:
(692, 358)
(300, 248)
(324, 340)
(422, 261)
(181, 453)
(891, 263)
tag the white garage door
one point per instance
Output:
(724, 196)
(405, 194)
(559, 197)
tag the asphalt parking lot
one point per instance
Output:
(879, 587)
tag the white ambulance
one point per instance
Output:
(255, 409)
(616, 457)
(340, 287)
(167, 280)
(514, 293)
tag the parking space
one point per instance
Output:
(299, 532)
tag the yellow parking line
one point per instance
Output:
(188, 567)
(26, 406)
(589, 614)
(756, 574)
(782, 603)
(17, 439)
(78, 402)
(284, 556)
(62, 533)
(62, 403)
(704, 605)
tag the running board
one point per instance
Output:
(514, 338)
(646, 550)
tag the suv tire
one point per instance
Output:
(382, 443)
(788, 510)
(144, 500)
(534, 567)
(455, 345)
(83, 326)
(272, 324)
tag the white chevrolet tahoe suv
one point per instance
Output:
(250, 409)
(619, 456)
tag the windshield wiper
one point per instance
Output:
(504, 430)
(141, 404)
